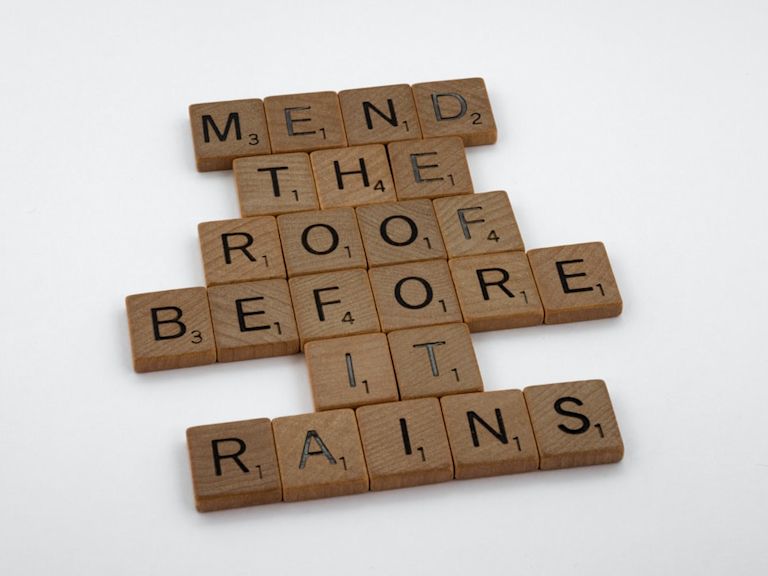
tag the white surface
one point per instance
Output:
(639, 124)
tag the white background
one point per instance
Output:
(643, 125)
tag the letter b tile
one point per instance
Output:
(170, 329)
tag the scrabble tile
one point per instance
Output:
(320, 455)
(333, 304)
(574, 424)
(456, 108)
(321, 241)
(434, 361)
(400, 232)
(575, 282)
(170, 329)
(490, 434)
(430, 168)
(415, 294)
(478, 224)
(233, 465)
(405, 443)
(275, 184)
(241, 250)
(496, 291)
(353, 176)
(304, 122)
(379, 115)
(223, 131)
(253, 320)
(351, 371)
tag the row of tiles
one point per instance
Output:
(264, 247)
(223, 131)
(194, 326)
(401, 444)
(354, 176)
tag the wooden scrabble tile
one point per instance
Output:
(575, 282)
(320, 455)
(574, 424)
(275, 184)
(333, 304)
(304, 122)
(321, 241)
(399, 232)
(351, 371)
(353, 176)
(456, 108)
(170, 329)
(233, 465)
(253, 320)
(223, 131)
(430, 168)
(379, 115)
(241, 250)
(478, 224)
(496, 291)
(434, 361)
(414, 294)
(405, 443)
(490, 434)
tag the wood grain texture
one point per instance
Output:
(275, 184)
(400, 232)
(241, 250)
(223, 131)
(496, 291)
(321, 241)
(320, 455)
(253, 320)
(333, 304)
(405, 443)
(233, 464)
(490, 434)
(379, 114)
(575, 282)
(430, 168)
(456, 108)
(353, 176)
(478, 224)
(414, 294)
(434, 361)
(574, 424)
(351, 371)
(170, 329)
(304, 122)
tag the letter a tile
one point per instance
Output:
(320, 455)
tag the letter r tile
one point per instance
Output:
(233, 464)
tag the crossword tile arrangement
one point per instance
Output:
(363, 243)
